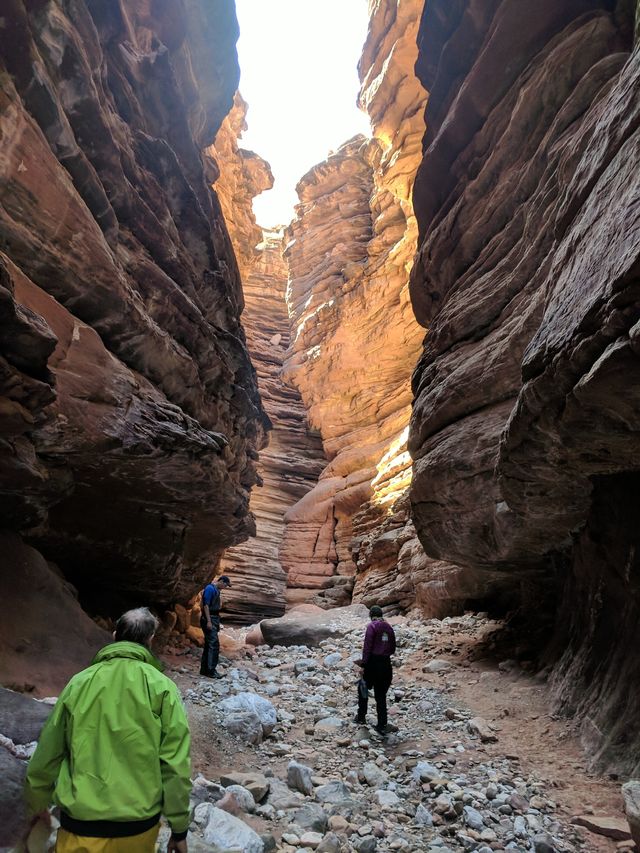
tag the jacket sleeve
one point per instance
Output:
(175, 762)
(368, 642)
(44, 766)
(392, 645)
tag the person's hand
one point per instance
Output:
(177, 846)
(42, 817)
(209, 626)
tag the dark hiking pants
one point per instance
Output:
(211, 651)
(377, 675)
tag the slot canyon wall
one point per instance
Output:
(355, 342)
(130, 418)
(293, 460)
(525, 424)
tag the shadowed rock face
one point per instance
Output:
(122, 358)
(525, 419)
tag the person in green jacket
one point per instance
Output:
(114, 754)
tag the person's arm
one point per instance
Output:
(368, 643)
(175, 764)
(44, 766)
(205, 609)
(392, 641)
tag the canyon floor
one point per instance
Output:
(446, 781)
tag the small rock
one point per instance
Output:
(299, 778)
(374, 776)
(367, 844)
(333, 792)
(329, 725)
(329, 844)
(423, 816)
(631, 794)
(437, 666)
(236, 800)
(611, 827)
(425, 772)
(386, 798)
(311, 839)
(473, 818)
(479, 726)
(311, 817)
(543, 843)
(256, 783)
(228, 833)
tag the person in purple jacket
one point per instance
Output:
(379, 645)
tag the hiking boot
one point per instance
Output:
(216, 675)
(382, 730)
(361, 720)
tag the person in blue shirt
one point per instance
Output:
(210, 624)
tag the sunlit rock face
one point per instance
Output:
(239, 176)
(525, 422)
(122, 359)
(291, 463)
(355, 338)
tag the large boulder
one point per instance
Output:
(307, 626)
(254, 704)
(21, 718)
(631, 794)
(229, 834)
(13, 818)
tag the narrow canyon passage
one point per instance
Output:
(416, 386)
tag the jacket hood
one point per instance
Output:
(125, 649)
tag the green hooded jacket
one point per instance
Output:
(116, 746)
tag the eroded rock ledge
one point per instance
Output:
(524, 428)
(355, 342)
(129, 412)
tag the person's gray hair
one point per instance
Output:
(137, 626)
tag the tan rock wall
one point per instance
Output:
(524, 428)
(122, 357)
(293, 460)
(291, 463)
(355, 338)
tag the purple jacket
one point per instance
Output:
(379, 639)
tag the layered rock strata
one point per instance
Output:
(289, 467)
(355, 338)
(524, 429)
(129, 412)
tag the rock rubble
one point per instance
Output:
(334, 785)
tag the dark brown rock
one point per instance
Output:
(120, 297)
(524, 427)
(45, 636)
(21, 718)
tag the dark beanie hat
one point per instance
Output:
(375, 612)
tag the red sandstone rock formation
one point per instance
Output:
(525, 417)
(290, 465)
(355, 342)
(129, 413)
